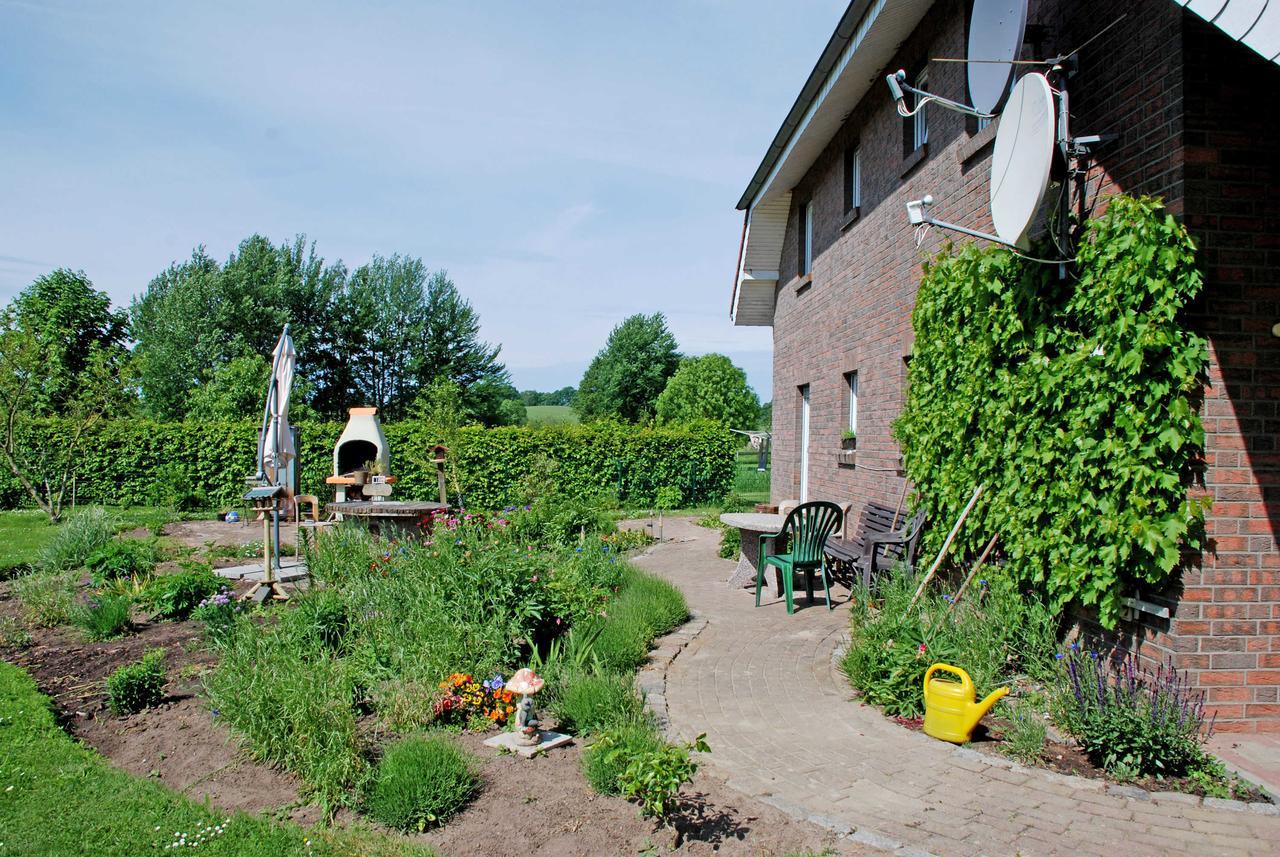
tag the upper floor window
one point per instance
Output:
(920, 121)
(806, 238)
(851, 385)
(852, 178)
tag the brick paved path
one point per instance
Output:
(782, 727)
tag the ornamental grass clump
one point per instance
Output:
(590, 702)
(75, 541)
(104, 618)
(1129, 720)
(420, 783)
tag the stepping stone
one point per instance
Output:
(508, 741)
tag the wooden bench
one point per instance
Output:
(875, 540)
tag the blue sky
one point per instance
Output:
(568, 164)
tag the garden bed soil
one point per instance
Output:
(1064, 757)
(541, 806)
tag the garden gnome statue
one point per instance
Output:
(526, 683)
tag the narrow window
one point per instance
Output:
(920, 121)
(851, 382)
(806, 238)
(852, 179)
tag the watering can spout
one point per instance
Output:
(980, 709)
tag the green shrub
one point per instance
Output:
(730, 543)
(653, 778)
(995, 633)
(668, 498)
(625, 541)
(121, 558)
(1129, 720)
(646, 607)
(592, 702)
(83, 532)
(47, 597)
(104, 617)
(607, 758)
(176, 596)
(120, 459)
(218, 614)
(12, 633)
(138, 685)
(420, 782)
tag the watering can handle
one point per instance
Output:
(965, 681)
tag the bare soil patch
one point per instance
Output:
(541, 806)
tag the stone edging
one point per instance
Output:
(651, 680)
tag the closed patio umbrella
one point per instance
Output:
(275, 445)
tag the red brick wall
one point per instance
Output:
(1190, 135)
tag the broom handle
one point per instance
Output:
(902, 498)
(973, 571)
(945, 547)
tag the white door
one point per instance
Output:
(804, 444)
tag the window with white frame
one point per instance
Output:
(920, 121)
(806, 238)
(851, 385)
(852, 178)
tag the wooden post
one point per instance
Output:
(902, 498)
(945, 547)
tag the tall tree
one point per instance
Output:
(198, 316)
(626, 377)
(709, 387)
(68, 321)
(410, 328)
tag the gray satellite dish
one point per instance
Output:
(996, 29)
(1022, 158)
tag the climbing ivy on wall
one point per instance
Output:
(1073, 401)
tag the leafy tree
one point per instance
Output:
(410, 328)
(40, 453)
(709, 387)
(765, 421)
(69, 322)
(626, 377)
(511, 412)
(198, 316)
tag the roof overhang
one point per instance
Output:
(1253, 23)
(864, 42)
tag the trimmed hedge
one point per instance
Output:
(127, 462)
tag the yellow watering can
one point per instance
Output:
(950, 712)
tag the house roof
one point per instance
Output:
(1253, 23)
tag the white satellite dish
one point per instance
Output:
(1022, 158)
(996, 29)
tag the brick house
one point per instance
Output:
(828, 260)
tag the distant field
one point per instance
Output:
(551, 414)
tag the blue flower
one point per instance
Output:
(497, 681)
(1059, 656)
(486, 684)
(1075, 647)
(949, 599)
(577, 550)
(982, 582)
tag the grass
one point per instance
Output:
(60, 797)
(748, 482)
(24, 533)
(105, 618)
(551, 415)
(420, 783)
(591, 702)
(48, 598)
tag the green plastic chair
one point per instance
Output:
(808, 527)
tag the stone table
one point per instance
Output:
(752, 524)
(386, 517)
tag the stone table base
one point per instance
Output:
(508, 740)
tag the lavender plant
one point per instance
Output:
(1129, 720)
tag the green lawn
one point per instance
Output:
(551, 414)
(60, 797)
(22, 534)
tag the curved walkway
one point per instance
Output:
(782, 724)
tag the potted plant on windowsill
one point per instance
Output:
(848, 448)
